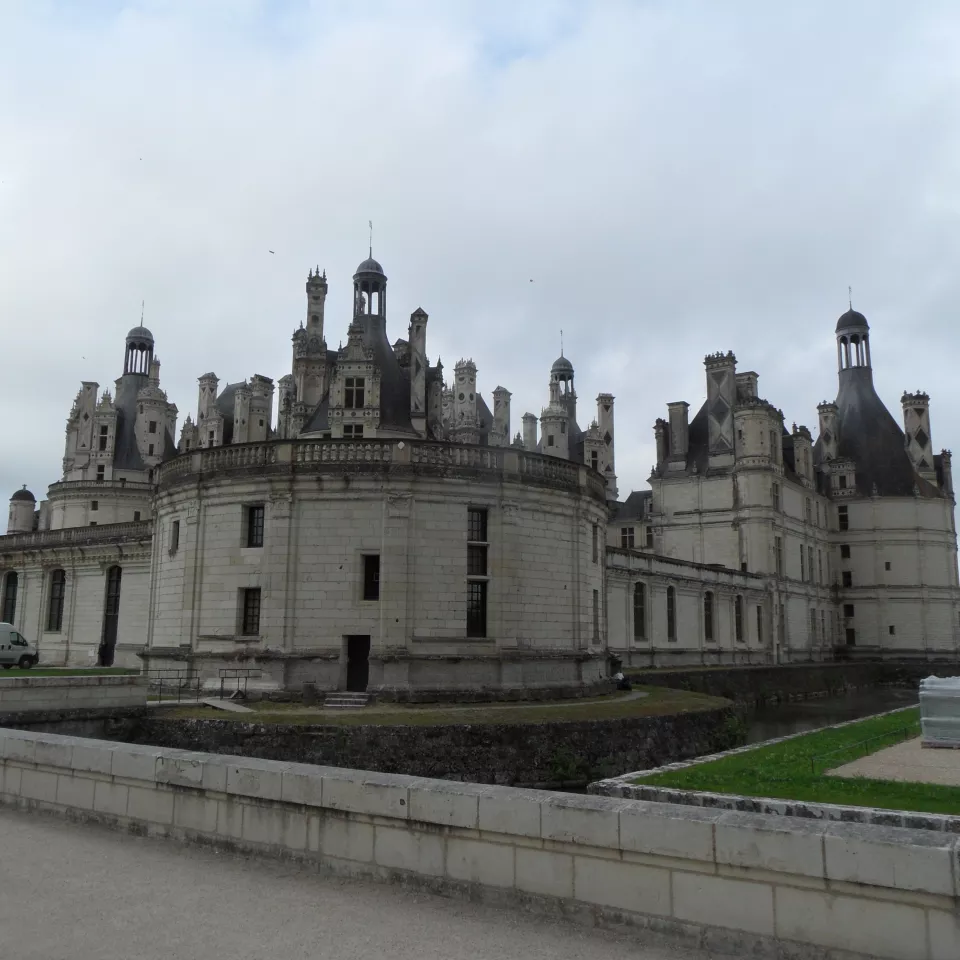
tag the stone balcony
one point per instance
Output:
(403, 457)
(78, 536)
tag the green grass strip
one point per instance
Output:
(796, 769)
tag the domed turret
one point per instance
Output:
(369, 266)
(562, 369)
(20, 518)
(139, 353)
(852, 320)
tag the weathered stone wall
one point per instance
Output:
(725, 882)
(757, 685)
(21, 696)
(561, 753)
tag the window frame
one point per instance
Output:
(370, 586)
(639, 611)
(671, 614)
(354, 393)
(251, 613)
(478, 592)
(55, 600)
(709, 633)
(256, 521)
(738, 631)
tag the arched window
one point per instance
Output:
(708, 615)
(58, 587)
(671, 613)
(639, 611)
(10, 583)
(111, 616)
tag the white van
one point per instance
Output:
(14, 649)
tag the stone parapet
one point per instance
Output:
(742, 884)
(78, 536)
(394, 456)
(22, 696)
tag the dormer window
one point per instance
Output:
(353, 393)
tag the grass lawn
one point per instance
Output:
(659, 701)
(68, 672)
(796, 770)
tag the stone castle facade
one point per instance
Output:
(383, 530)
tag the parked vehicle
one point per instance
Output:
(15, 651)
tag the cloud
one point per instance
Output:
(676, 178)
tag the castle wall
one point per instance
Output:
(328, 504)
(85, 556)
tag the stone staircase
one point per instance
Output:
(346, 701)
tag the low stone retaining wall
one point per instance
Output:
(774, 684)
(624, 786)
(556, 754)
(745, 884)
(23, 698)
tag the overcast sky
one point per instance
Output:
(676, 178)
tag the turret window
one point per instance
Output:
(353, 389)
(103, 438)
(775, 494)
(101, 471)
(153, 427)
(94, 505)
(150, 450)
(594, 460)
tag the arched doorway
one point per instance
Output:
(111, 617)
(10, 584)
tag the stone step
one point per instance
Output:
(346, 701)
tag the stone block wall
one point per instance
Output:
(22, 696)
(743, 884)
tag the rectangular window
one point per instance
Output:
(626, 538)
(649, 534)
(823, 626)
(639, 611)
(759, 624)
(174, 536)
(58, 586)
(371, 576)
(842, 481)
(136, 515)
(103, 438)
(843, 518)
(810, 564)
(594, 460)
(808, 510)
(671, 613)
(255, 516)
(847, 578)
(813, 627)
(153, 427)
(101, 471)
(353, 393)
(477, 545)
(819, 566)
(250, 622)
(596, 616)
(94, 505)
(477, 531)
(778, 554)
(476, 560)
(550, 440)
(708, 616)
(848, 610)
(352, 431)
(851, 637)
(775, 492)
(477, 608)
(886, 565)
(803, 566)
(738, 617)
(150, 450)
(596, 543)
(818, 513)
(844, 551)
(891, 629)
(212, 434)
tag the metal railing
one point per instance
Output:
(178, 683)
(241, 675)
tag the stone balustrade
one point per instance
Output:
(726, 882)
(75, 536)
(306, 456)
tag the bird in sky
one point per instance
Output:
(269, 251)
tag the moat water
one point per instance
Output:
(799, 716)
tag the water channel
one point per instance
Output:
(799, 716)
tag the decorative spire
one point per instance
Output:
(850, 297)
(371, 238)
